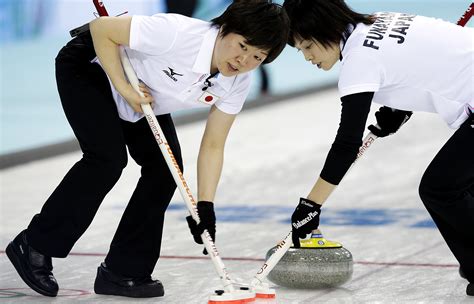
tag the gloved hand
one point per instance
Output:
(389, 121)
(305, 219)
(207, 219)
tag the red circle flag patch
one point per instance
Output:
(207, 98)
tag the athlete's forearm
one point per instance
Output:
(210, 162)
(321, 191)
(211, 153)
(107, 50)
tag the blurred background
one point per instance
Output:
(33, 31)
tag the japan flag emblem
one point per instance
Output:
(208, 98)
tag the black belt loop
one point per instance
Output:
(79, 30)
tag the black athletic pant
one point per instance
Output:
(447, 190)
(91, 111)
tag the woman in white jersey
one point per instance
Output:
(404, 62)
(183, 63)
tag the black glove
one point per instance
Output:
(305, 219)
(389, 121)
(207, 222)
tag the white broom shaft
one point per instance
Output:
(285, 244)
(269, 264)
(177, 174)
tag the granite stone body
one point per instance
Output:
(311, 268)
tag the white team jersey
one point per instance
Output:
(412, 63)
(171, 54)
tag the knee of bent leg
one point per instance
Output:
(424, 190)
(116, 162)
(427, 187)
(110, 163)
(434, 188)
(153, 172)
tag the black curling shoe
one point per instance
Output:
(109, 283)
(33, 267)
(470, 289)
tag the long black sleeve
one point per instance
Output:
(343, 152)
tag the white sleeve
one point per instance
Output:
(360, 73)
(236, 98)
(153, 35)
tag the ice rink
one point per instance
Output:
(273, 156)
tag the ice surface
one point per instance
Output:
(273, 156)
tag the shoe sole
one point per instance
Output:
(110, 292)
(12, 254)
(106, 290)
(102, 287)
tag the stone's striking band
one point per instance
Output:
(312, 268)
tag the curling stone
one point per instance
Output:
(317, 264)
